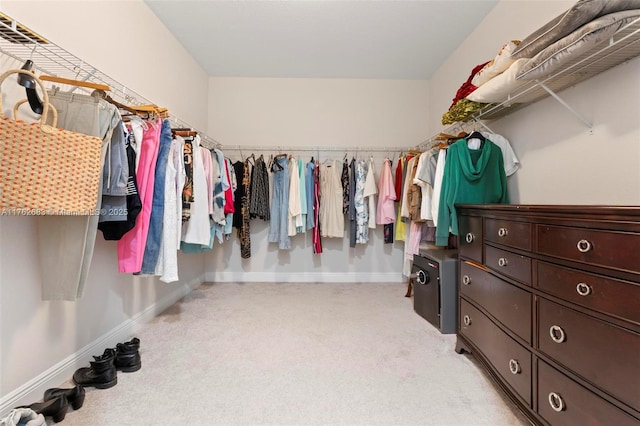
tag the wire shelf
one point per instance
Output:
(21, 43)
(621, 47)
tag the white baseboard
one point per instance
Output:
(63, 371)
(306, 277)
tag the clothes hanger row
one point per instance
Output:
(100, 91)
(125, 102)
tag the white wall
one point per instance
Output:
(561, 162)
(39, 339)
(314, 113)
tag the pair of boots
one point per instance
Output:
(101, 374)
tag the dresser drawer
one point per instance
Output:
(604, 354)
(607, 295)
(509, 264)
(561, 401)
(510, 360)
(507, 303)
(470, 237)
(609, 249)
(508, 232)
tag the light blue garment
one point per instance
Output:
(154, 236)
(279, 225)
(303, 197)
(228, 226)
(310, 195)
(221, 160)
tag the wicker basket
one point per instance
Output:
(45, 170)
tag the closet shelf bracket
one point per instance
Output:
(567, 106)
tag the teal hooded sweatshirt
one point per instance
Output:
(471, 176)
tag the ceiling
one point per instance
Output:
(321, 38)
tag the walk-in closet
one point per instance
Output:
(320, 212)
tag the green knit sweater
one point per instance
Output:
(473, 176)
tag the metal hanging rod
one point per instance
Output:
(21, 43)
(284, 148)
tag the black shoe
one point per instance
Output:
(101, 374)
(56, 408)
(75, 395)
(128, 356)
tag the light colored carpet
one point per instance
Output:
(297, 354)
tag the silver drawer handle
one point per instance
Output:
(469, 237)
(466, 280)
(467, 320)
(502, 232)
(583, 289)
(584, 246)
(557, 334)
(556, 402)
(502, 261)
(514, 366)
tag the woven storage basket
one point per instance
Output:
(44, 170)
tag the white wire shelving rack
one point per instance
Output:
(22, 44)
(621, 47)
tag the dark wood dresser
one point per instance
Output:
(549, 304)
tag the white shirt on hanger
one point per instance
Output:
(331, 216)
(511, 162)
(437, 185)
(370, 191)
(167, 266)
(197, 229)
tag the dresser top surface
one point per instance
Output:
(577, 210)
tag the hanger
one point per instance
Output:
(184, 132)
(99, 93)
(443, 136)
(151, 111)
(162, 112)
(251, 157)
(475, 135)
(79, 83)
(29, 84)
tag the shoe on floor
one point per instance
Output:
(128, 356)
(75, 395)
(101, 373)
(23, 417)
